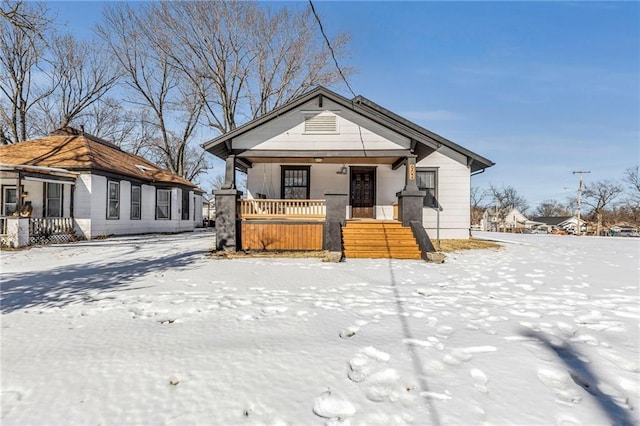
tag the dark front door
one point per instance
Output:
(363, 190)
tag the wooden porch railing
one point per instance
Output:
(50, 229)
(282, 209)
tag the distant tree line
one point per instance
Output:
(158, 77)
(604, 203)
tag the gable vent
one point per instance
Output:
(321, 124)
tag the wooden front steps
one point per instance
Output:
(378, 240)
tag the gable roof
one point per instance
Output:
(426, 141)
(552, 220)
(74, 150)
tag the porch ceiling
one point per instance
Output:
(326, 157)
(329, 160)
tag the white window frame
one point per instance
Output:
(115, 200)
(166, 204)
(5, 190)
(137, 203)
(48, 199)
(431, 198)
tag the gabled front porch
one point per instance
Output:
(264, 223)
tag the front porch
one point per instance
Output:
(36, 205)
(19, 232)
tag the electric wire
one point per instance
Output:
(333, 55)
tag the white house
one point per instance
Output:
(511, 221)
(70, 181)
(566, 223)
(322, 144)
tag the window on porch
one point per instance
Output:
(295, 182)
(53, 200)
(427, 181)
(9, 200)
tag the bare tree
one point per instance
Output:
(17, 15)
(22, 47)
(599, 195)
(244, 59)
(507, 198)
(478, 204)
(550, 208)
(155, 84)
(632, 179)
(82, 74)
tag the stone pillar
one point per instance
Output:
(336, 215)
(336, 205)
(230, 173)
(227, 219)
(17, 232)
(410, 199)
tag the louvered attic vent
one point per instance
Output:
(324, 123)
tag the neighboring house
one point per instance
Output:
(208, 210)
(513, 221)
(565, 223)
(322, 145)
(73, 180)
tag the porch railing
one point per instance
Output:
(282, 209)
(50, 230)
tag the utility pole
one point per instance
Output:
(581, 173)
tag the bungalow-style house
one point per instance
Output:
(512, 221)
(565, 223)
(324, 171)
(72, 183)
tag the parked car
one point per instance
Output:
(539, 231)
(628, 233)
(559, 232)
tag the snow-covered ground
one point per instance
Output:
(151, 331)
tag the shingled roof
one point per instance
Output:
(74, 150)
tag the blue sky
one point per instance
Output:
(540, 88)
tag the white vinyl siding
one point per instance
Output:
(352, 131)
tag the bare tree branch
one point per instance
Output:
(22, 46)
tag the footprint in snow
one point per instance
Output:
(382, 385)
(480, 380)
(559, 382)
(456, 357)
(349, 332)
(365, 362)
(333, 407)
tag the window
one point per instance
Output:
(53, 200)
(427, 181)
(113, 199)
(9, 200)
(295, 182)
(163, 204)
(185, 204)
(136, 198)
